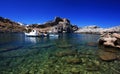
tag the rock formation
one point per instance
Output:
(110, 40)
(115, 29)
(97, 30)
(107, 56)
(90, 30)
(58, 25)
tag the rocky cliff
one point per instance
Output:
(58, 25)
(6, 25)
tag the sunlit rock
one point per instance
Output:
(109, 39)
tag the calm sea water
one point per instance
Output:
(67, 54)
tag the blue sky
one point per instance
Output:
(104, 13)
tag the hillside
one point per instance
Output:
(6, 25)
(57, 25)
(93, 29)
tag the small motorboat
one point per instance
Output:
(36, 33)
(33, 33)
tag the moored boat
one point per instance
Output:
(33, 33)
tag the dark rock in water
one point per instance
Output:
(11, 49)
(66, 52)
(73, 60)
(92, 68)
(47, 46)
(92, 44)
(107, 56)
(64, 46)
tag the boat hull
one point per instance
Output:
(32, 35)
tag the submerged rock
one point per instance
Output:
(75, 71)
(66, 52)
(73, 60)
(47, 46)
(107, 56)
(92, 44)
(93, 66)
(65, 46)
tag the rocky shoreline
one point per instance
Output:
(97, 30)
(57, 25)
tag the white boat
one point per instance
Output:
(33, 33)
(53, 35)
(36, 33)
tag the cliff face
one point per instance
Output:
(6, 25)
(58, 25)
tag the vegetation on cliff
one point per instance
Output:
(6, 25)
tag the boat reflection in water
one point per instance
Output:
(31, 39)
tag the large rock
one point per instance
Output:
(73, 60)
(107, 56)
(67, 52)
(63, 26)
(109, 39)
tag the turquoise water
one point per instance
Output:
(67, 54)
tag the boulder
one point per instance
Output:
(93, 44)
(107, 56)
(110, 39)
(73, 60)
(64, 26)
(67, 52)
